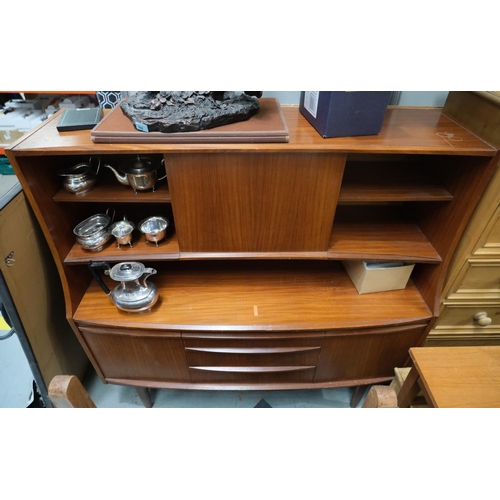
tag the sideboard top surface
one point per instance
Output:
(405, 131)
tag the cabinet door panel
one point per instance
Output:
(138, 357)
(366, 354)
(254, 202)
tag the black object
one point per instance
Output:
(341, 114)
(262, 404)
(99, 265)
(79, 119)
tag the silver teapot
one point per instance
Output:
(141, 175)
(133, 293)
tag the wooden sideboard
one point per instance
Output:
(470, 311)
(253, 294)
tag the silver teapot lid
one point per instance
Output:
(127, 271)
(141, 165)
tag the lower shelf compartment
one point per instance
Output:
(256, 296)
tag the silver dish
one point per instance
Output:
(92, 233)
(154, 228)
(80, 178)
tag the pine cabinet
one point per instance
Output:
(470, 310)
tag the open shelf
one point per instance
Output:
(397, 192)
(399, 241)
(393, 181)
(142, 251)
(256, 297)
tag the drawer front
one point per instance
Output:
(252, 360)
(132, 355)
(479, 280)
(476, 320)
(489, 242)
(366, 354)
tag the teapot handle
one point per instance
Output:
(98, 164)
(163, 164)
(99, 265)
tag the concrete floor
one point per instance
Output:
(16, 379)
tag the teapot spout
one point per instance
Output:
(121, 177)
(149, 271)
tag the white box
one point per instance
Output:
(376, 276)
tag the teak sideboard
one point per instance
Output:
(253, 294)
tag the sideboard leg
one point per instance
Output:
(357, 395)
(145, 396)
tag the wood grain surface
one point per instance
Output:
(411, 131)
(460, 377)
(256, 296)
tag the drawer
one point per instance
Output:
(460, 320)
(479, 279)
(252, 359)
(489, 242)
(294, 352)
(252, 375)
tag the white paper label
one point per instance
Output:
(311, 99)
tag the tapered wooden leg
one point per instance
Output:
(145, 396)
(409, 389)
(357, 395)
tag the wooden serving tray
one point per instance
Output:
(267, 125)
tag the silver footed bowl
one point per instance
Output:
(154, 228)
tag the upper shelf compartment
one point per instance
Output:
(112, 184)
(393, 179)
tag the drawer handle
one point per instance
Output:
(252, 369)
(482, 319)
(252, 350)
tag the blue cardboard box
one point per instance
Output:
(341, 114)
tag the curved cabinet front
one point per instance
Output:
(140, 355)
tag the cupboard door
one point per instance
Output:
(366, 354)
(138, 355)
(235, 202)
